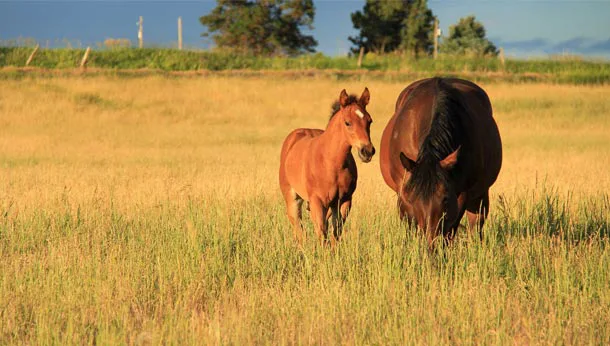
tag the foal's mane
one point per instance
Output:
(336, 106)
(446, 134)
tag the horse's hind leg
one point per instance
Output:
(477, 212)
(294, 211)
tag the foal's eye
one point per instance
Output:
(347, 123)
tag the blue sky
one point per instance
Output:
(523, 28)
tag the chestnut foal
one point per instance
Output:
(318, 167)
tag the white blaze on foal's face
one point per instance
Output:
(359, 113)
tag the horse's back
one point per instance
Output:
(297, 135)
(481, 129)
(484, 136)
(391, 169)
(475, 98)
(404, 95)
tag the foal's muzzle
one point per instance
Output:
(366, 153)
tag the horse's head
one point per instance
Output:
(355, 122)
(428, 197)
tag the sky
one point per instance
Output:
(522, 28)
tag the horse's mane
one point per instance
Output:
(336, 106)
(446, 134)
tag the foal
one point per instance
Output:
(318, 167)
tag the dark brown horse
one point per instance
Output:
(317, 166)
(441, 151)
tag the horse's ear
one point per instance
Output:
(448, 162)
(407, 163)
(343, 98)
(365, 97)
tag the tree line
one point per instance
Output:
(275, 27)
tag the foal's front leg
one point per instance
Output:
(339, 214)
(318, 212)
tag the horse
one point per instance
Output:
(318, 167)
(440, 152)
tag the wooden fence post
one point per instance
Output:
(436, 35)
(32, 56)
(360, 56)
(83, 62)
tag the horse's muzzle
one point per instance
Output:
(366, 153)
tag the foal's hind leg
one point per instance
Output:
(477, 211)
(293, 209)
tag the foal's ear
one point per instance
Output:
(451, 159)
(365, 97)
(343, 98)
(407, 163)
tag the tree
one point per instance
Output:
(386, 26)
(380, 24)
(418, 33)
(467, 37)
(261, 26)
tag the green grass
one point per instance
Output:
(206, 270)
(569, 71)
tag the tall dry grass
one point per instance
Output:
(147, 210)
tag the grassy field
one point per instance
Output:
(147, 210)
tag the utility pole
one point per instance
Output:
(180, 33)
(437, 33)
(360, 56)
(141, 32)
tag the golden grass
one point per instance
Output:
(127, 202)
(151, 139)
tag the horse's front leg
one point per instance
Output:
(318, 212)
(477, 211)
(461, 209)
